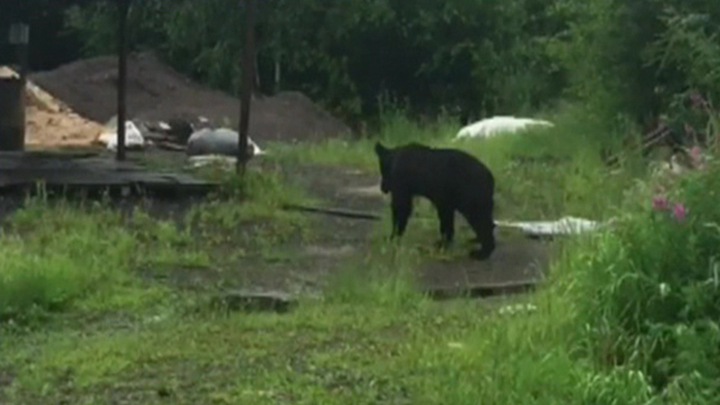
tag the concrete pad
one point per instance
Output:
(515, 266)
(365, 191)
(330, 251)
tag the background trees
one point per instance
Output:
(467, 57)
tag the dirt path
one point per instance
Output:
(338, 241)
(335, 242)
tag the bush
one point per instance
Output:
(647, 293)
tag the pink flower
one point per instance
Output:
(679, 211)
(697, 158)
(660, 203)
(695, 152)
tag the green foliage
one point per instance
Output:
(689, 44)
(646, 293)
(540, 172)
(96, 24)
(347, 53)
(471, 57)
(688, 56)
(82, 251)
(49, 267)
(629, 315)
(635, 57)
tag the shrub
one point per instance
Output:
(647, 292)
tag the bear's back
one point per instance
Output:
(435, 172)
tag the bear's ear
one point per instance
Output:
(380, 149)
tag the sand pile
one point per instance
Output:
(155, 92)
(51, 124)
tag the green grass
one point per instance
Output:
(540, 173)
(56, 254)
(81, 324)
(369, 354)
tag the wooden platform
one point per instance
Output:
(66, 172)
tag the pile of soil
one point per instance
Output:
(51, 124)
(155, 92)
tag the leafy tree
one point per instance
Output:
(470, 57)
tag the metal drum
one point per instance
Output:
(12, 114)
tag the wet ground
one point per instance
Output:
(302, 264)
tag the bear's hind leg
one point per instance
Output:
(484, 227)
(446, 216)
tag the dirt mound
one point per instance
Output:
(51, 124)
(46, 129)
(155, 92)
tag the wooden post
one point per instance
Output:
(20, 37)
(277, 71)
(123, 6)
(248, 80)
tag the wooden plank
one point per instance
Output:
(334, 211)
(482, 290)
(25, 170)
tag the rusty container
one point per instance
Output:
(12, 114)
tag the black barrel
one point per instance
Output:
(12, 114)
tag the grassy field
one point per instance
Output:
(82, 325)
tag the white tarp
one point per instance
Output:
(564, 226)
(499, 125)
(7, 72)
(220, 141)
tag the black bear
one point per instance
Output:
(451, 179)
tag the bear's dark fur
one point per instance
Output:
(451, 179)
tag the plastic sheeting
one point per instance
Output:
(564, 226)
(220, 141)
(499, 125)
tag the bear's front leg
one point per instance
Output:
(401, 210)
(482, 223)
(446, 216)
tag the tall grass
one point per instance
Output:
(540, 173)
(57, 253)
(52, 256)
(647, 293)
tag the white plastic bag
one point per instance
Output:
(133, 137)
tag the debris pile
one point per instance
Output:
(158, 96)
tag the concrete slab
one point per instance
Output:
(516, 266)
